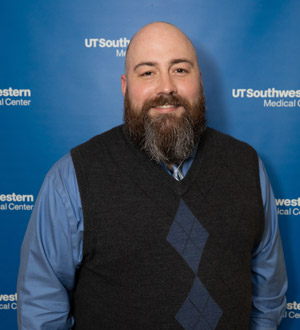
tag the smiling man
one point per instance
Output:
(164, 101)
(161, 223)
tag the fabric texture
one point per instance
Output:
(142, 267)
(52, 253)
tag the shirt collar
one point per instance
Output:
(186, 164)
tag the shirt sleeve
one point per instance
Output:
(51, 252)
(269, 280)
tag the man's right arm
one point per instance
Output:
(51, 252)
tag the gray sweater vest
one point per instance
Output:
(162, 254)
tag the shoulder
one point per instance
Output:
(61, 179)
(62, 170)
(98, 140)
(235, 155)
(231, 148)
(97, 151)
(63, 165)
(223, 139)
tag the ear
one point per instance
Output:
(123, 84)
(201, 82)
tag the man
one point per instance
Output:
(158, 224)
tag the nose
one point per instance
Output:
(166, 85)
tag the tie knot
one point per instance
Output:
(177, 172)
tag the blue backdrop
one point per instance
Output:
(61, 63)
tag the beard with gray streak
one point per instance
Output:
(166, 138)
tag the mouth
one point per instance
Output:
(166, 108)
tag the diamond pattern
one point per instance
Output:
(189, 237)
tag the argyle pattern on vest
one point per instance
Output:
(188, 237)
(165, 254)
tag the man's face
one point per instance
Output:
(161, 61)
(163, 95)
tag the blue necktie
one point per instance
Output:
(176, 171)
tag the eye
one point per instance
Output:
(147, 73)
(181, 70)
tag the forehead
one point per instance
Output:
(161, 44)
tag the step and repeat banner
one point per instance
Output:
(61, 63)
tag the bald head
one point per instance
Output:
(154, 35)
(162, 87)
(161, 61)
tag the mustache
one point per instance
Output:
(169, 99)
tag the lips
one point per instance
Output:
(163, 104)
(166, 108)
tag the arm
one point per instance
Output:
(269, 281)
(51, 252)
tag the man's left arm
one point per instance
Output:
(269, 280)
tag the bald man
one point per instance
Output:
(161, 223)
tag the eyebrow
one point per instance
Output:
(145, 63)
(182, 60)
(175, 61)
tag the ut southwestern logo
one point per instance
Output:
(11, 97)
(272, 97)
(8, 301)
(109, 43)
(288, 206)
(16, 202)
(292, 310)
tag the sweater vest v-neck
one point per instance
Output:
(165, 254)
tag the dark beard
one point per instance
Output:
(166, 138)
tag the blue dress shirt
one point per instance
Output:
(52, 252)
